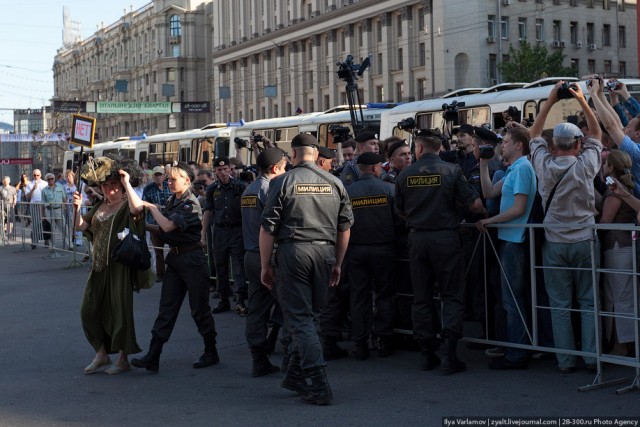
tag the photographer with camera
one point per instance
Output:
(627, 138)
(565, 182)
(622, 100)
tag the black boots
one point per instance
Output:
(450, 363)
(319, 392)
(331, 350)
(385, 346)
(272, 338)
(362, 350)
(294, 377)
(210, 355)
(261, 364)
(429, 360)
(151, 360)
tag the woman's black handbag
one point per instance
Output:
(132, 251)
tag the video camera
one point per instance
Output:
(349, 72)
(340, 133)
(450, 111)
(408, 124)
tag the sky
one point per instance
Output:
(30, 35)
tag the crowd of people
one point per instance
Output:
(313, 245)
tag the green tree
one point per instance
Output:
(531, 63)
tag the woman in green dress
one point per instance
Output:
(107, 304)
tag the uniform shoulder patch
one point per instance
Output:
(188, 207)
(348, 177)
(369, 201)
(249, 201)
(424, 181)
(302, 189)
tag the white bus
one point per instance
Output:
(487, 106)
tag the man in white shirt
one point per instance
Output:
(33, 193)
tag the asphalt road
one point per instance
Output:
(43, 352)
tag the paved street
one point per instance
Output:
(43, 351)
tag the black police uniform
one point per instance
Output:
(186, 273)
(426, 194)
(350, 172)
(371, 260)
(223, 200)
(264, 308)
(305, 210)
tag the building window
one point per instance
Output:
(491, 26)
(622, 36)
(422, 54)
(539, 30)
(379, 30)
(573, 32)
(606, 35)
(379, 93)
(421, 25)
(557, 31)
(522, 28)
(493, 69)
(399, 25)
(171, 74)
(175, 50)
(380, 67)
(422, 88)
(573, 2)
(575, 65)
(399, 91)
(607, 67)
(590, 3)
(605, 4)
(622, 69)
(504, 27)
(400, 59)
(590, 33)
(175, 27)
(591, 66)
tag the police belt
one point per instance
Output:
(309, 242)
(226, 226)
(177, 250)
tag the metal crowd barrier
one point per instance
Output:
(599, 314)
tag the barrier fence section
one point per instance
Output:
(600, 314)
(51, 226)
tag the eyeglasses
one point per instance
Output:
(51, 179)
(35, 174)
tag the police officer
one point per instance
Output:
(308, 214)
(399, 155)
(371, 257)
(271, 163)
(426, 194)
(222, 212)
(365, 142)
(325, 158)
(179, 225)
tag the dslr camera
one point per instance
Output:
(487, 151)
(407, 124)
(563, 90)
(339, 133)
(257, 137)
(240, 143)
(613, 85)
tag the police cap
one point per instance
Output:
(468, 129)
(365, 136)
(326, 153)
(393, 147)
(185, 167)
(221, 161)
(485, 134)
(369, 158)
(304, 140)
(269, 157)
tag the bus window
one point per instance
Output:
(171, 151)
(143, 157)
(529, 111)
(560, 111)
(476, 116)
(202, 150)
(155, 154)
(185, 154)
(221, 147)
(127, 153)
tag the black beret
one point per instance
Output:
(369, 158)
(365, 136)
(221, 161)
(269, 157)
(185, 167)
(398, 144)
(485, 134)
(304, 140)
(327, 153)
(464, 128)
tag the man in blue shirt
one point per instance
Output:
(157, 192)
(518, 189)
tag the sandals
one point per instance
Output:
(118, 368)
(95, 365)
